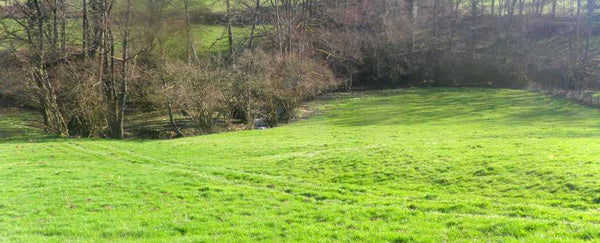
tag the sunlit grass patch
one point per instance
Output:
(433, 165)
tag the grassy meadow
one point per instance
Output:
(412, 165)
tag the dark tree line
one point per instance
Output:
(515, 43)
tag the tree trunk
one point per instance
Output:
(48, 104)
(500, 4)
(256, 12)
(188, 28)
(411, 12)
(63, 28)
(435, 17)
(123, 89)
(521, 7)
(85, 29)
(591, 5)
(55, 27)
(278, 26)
(472, 37)
(229, 32)
(107, 71)
(178, 133)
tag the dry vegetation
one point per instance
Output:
(125, 58)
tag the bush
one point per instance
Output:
(296, 79)
(272, 86)
(80, 98)
(199, 92)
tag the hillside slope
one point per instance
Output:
(399, 166)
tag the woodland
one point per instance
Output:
(101, 68)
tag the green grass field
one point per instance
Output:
(208, 40)
(432, 165)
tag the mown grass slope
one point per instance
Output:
(400, 166)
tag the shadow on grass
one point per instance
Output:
(15, 135)
(21, 126)
(452, 107)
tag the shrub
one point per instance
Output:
(272, 86)
(199, 91)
